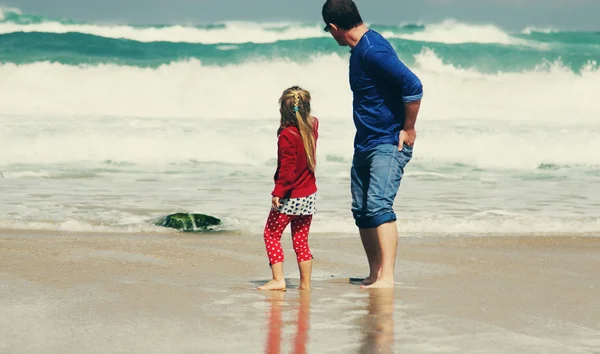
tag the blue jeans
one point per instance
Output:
(375, 179)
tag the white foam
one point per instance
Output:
(182, 89)
(433, 175)
(454, 32)
(192, 90)
(344, 227)
(531, 29)
(159, 116)
(231, 32)
(5, 10)
(80, 226)
(417, 225)
(449, 31)
(488, 224)
(23, 174)
(153, 148)
(538, 95)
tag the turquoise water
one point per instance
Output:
(506, 53)
(106, 127)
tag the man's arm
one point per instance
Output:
(412, 110)
(386, 64)
(408, 135)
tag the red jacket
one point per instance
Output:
(293, 179)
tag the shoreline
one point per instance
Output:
(233, 232)
(166, 293)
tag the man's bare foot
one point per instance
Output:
(380, 284)
(369, 281)
(273, 285)
(304, 287)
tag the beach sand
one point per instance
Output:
(191, 293)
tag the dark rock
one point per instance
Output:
(189, 222)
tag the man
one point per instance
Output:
(387, 97)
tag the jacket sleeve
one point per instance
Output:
(384, 63)
(287, 154)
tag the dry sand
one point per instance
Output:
(184, 293)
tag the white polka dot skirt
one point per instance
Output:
(298, 206)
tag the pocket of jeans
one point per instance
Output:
(407, 153)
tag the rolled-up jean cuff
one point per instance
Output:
(375, 221)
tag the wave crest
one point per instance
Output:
(451, 31)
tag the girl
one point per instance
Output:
(295, 189)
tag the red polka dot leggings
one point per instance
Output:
(276, 224)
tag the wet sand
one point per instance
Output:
(184, 293)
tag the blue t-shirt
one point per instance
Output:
(381, 84)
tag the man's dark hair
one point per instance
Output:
(342, 13)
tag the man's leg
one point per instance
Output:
(387, 167)
(387, 239)
(359, 178)
(373, 250)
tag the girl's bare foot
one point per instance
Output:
(304, 287)
(273, 285)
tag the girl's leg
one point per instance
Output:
(305, 274)
(300, 229)
(276, 224)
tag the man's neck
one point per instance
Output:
(354, 35)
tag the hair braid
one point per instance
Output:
(295, 111)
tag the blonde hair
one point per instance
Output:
(295, 111)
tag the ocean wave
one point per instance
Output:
(80, 226)
(449, 31)
(6, 11)
(454, 32)
(191, 89)
(180, 146)
(230, 32)
(23, 174)
(574, 40)
(504, 225)
(533, 29)
(84, 49)
(500, 114)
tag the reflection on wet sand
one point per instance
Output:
(274, 325)
(377, 326)
(303, 324)
(275, 322)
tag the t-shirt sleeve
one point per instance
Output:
(384, 63)
(287, 154)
